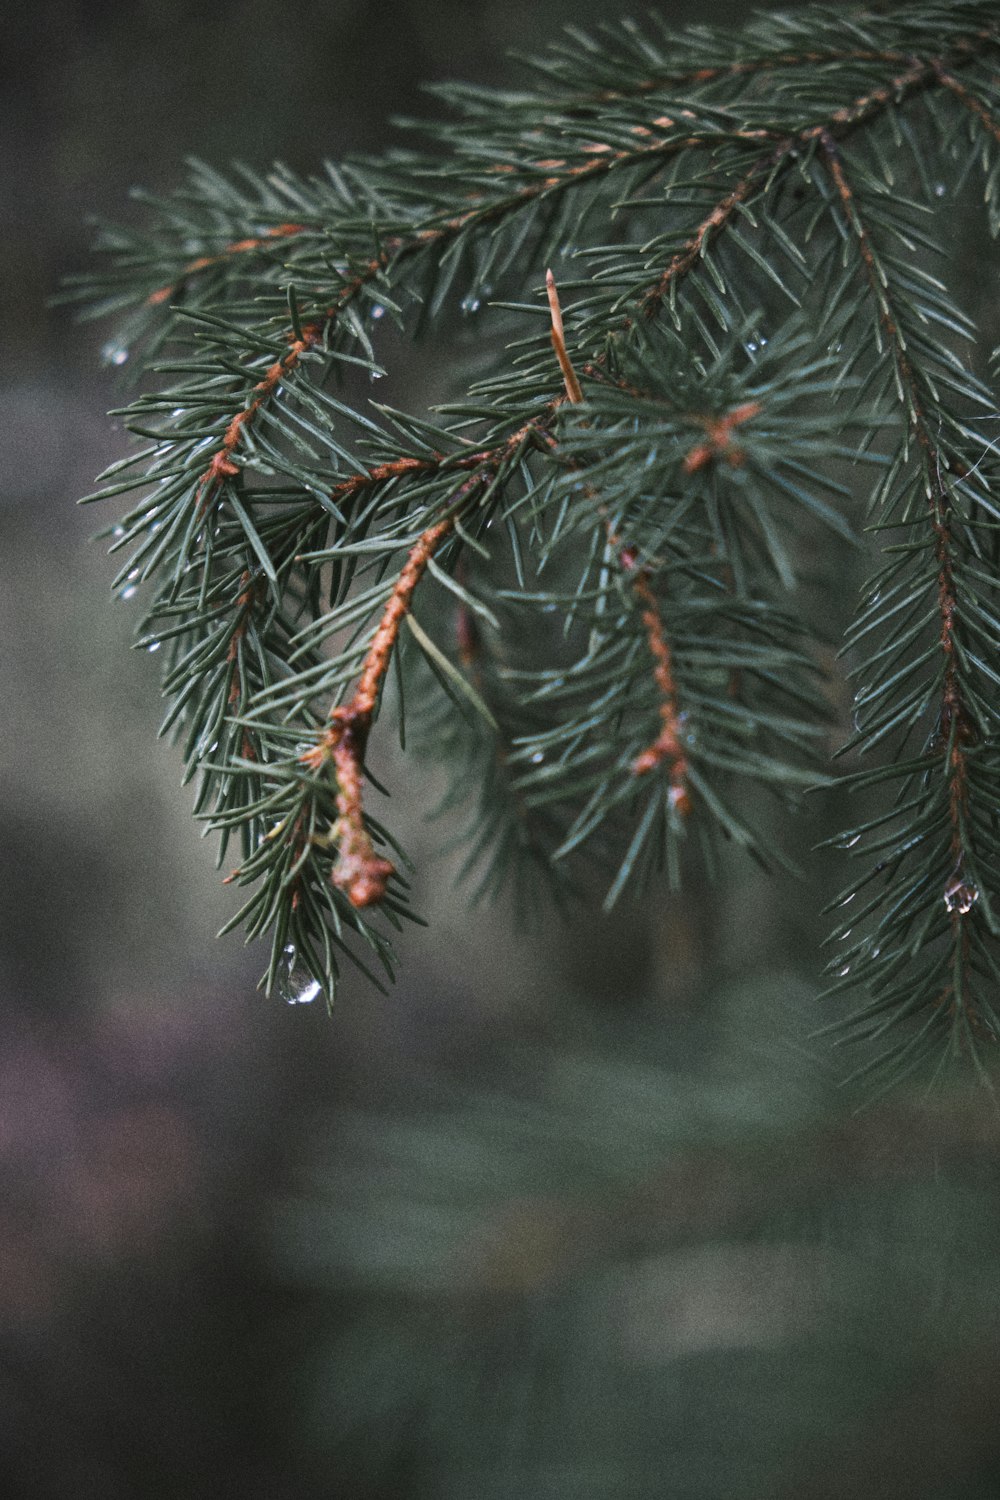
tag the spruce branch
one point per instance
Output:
(598, 549)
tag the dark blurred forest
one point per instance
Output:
(580, 1209)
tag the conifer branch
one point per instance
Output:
(622, 528)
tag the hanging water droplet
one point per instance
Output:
(375, 374)
(127, 592)
(295, 985)
(118, 531)
(376, 311)
(960, 897)
(153, 646)
(114, 353)
(847, 899)
(848, 843)
(538, 757)
(842, 973)
(939, 190)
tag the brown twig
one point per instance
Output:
(573, 391)
(720, 215)
(359, 872)
(238, 247)
(974, 105)
(667, 746)
(718, 442)
(222, 465)
(246, 602)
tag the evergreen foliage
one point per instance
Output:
(588, 584)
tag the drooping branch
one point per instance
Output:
(248, 434)
(668, 745)
(956, 728)
(359, 872)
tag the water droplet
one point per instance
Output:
(376, 311)
(295, 985)
(154, 646)
(842, 973)
(470, 304)
(848, 843)
(127, 592)
(118, 531)
(939, 190)
(960, 897)
(114, 353)
(538, 757)
(847, 899)
(375, 374)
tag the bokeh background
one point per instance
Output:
(578, 1211)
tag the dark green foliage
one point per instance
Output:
(613, 620)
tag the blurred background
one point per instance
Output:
(579, 1212)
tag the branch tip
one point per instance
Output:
(574, 392)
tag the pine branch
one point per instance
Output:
(610, 527)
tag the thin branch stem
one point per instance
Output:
(359, 872)
(956, 730)
(237, 247)
(668, 744)
(974, 105)
(963, 49)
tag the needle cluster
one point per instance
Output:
(709, 275)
